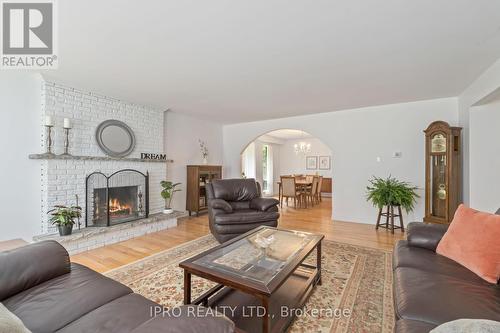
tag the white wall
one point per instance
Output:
(486, 85)
(20, 103)
(291, 163)
(181, 144)
(485, 157)
(357, 137)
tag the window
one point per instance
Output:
(266, 169)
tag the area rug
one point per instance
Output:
(357, 280)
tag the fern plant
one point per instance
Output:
(390, 191)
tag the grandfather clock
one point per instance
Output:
(443, 172)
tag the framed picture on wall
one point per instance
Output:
(311, 162)
(325, 163)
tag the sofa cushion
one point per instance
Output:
(438, 298)
(241, 228)
(221, 204)
(412, 326)
(28, 266)
(245, 216)
(187, 319)
(121, 315)
(9, 323)
(237, 205)
(54, 304)
(416, 257)
(473, 241)
(425, 235)
(235, 189)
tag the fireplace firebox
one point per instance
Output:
(118, 198)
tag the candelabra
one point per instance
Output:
(66, 141)
(49, 139)
(67, 127)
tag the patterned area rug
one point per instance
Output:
(354, 278)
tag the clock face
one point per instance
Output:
(438, 144)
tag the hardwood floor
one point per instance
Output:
(316, 219)
(12, 244)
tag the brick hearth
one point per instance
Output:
(94, 237)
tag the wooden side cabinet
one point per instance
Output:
(326, 187)
(443, 172)
(197, 178)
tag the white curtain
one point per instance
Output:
(248, 161)
(270, 168)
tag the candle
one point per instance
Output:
(67, 123)
(49, 121)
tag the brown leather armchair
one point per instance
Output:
(236, 206)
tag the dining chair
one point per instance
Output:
(320, 185)
(312, 191)
(289, 190)
(299, 177)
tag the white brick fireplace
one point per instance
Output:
(64, 180)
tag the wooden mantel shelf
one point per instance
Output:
(93, 158)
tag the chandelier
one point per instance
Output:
(302, 147)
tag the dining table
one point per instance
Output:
(300, 183)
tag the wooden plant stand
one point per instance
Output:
(389, 219)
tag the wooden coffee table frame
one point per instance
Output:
(227, 281)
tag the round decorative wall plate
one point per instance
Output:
(115, 138)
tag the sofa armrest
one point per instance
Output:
(425, 235)
(263, 204)
(30, 265)
(221, 204)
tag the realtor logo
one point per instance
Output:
(28, 34)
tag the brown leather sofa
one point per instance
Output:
(430, 289)
(236, 206)
(40, 285)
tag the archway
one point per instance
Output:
(287, 152)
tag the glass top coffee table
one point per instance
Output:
(261, 277)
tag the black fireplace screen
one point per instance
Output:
(119, 198)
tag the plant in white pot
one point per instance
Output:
(169, 188)
(64, 217)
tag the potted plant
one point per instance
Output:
(64, 217)
(392, 192)
(167, 194)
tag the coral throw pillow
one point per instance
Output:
(473, 240)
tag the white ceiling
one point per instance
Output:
(288, 134)
(237, 61)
